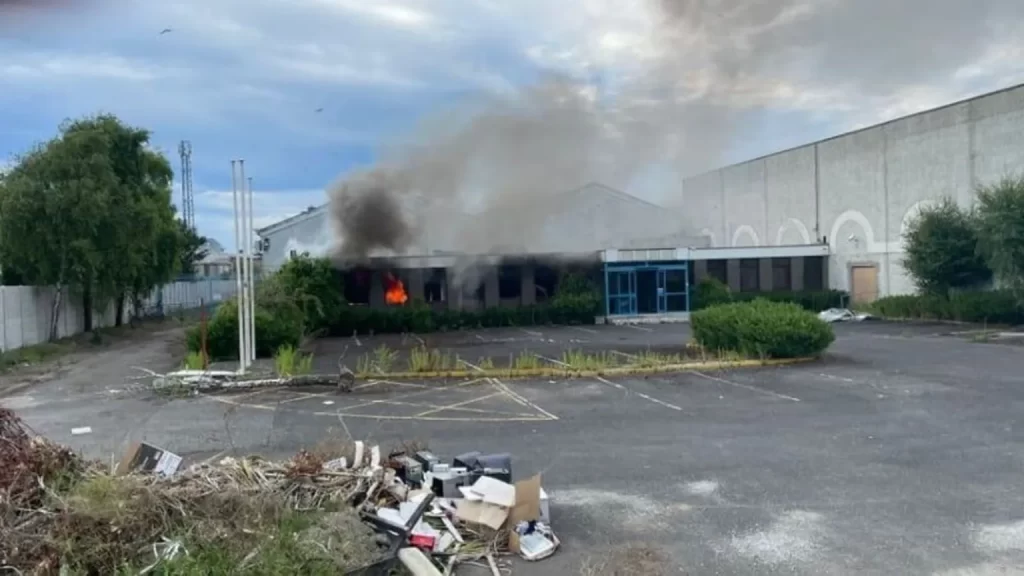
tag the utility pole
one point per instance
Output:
(188, 214)
(243, 265)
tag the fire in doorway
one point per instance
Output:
(394, 290)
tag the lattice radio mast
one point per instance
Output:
(188, 211)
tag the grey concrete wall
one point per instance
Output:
(861, 189)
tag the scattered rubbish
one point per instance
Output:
(461, 503)
(143, 457)
(415, 511)
(328, 402)
(81, 431)
(843, 315)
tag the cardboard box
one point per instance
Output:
(143, 457)
(526, 509)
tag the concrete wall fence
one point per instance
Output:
(859, 191)
(25, 311)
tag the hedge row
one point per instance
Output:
(304, 297)
(995, 307)
(713, 292)
(762, 329)
(566, 310)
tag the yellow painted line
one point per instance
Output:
(565, 372)
(457, 404)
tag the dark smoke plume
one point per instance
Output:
(368, 210)
(487, 178)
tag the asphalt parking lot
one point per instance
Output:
(501, 345)
(900, 453)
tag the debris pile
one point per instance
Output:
(341, 510)
(465, 511)
(833, 315)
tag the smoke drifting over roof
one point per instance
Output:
(701, 63)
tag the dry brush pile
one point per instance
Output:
(62, 515)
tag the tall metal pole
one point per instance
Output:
(252, 282)
(238, 272)
(246, 281)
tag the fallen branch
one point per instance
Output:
(216, 381)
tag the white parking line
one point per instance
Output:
(745, 386)
(530, 332)
(587, 330)
(519, 398)
(552, 360)
(641, 328)
(640, 394)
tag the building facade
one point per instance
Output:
(640, 253)
(857, 192)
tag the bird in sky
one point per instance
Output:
(166, 31)
(319, 110)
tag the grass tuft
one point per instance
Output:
(290, 362)
(423, 359)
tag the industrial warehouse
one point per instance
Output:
(830, 214)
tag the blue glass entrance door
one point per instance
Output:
(622, 292)
(662, 285)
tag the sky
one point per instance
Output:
(306, 91)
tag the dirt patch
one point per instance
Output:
(85, 364)
(628, 560)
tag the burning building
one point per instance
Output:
(636, 251)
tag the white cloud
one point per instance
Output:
(42, 66)
(215, 209)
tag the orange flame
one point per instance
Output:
(395, 293)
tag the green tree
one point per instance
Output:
(193, 249)
(91, 210)
(53, 207)
(1001, 230)
(942, 250)
(141, 244)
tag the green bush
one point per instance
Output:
(761, 328)
(995, 306)
(315, 286)
(711, 292)
(276, 325)
(815, 301)
(418, 317)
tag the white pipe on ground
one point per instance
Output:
(417, 563)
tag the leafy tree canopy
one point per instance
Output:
(1001, 230)
(942, 250)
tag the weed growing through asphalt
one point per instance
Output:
(485, 363)
(526, 360)
(423, 359)
(580, 360)
(193, 361)
(290, 362)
